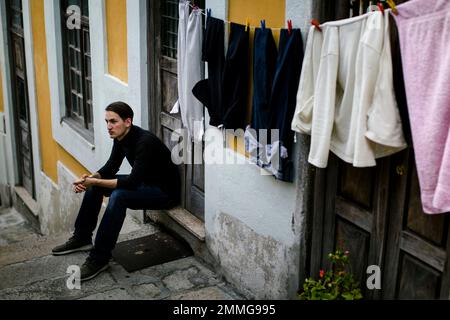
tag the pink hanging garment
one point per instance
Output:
(424, 31)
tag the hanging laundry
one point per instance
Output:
(264, 65)
(277, 112)
(190, 70)
(236, 75)
(225, 91)
(210, 91)
(346, 99)
(424, 33)
(283, 100)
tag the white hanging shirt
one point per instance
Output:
(346, 99)
(190, 69)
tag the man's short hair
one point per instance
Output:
(122, 109)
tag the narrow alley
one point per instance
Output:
(29, 272)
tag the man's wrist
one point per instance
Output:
(94, 181)
(95, 175)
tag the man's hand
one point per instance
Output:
(89, 181)
(78, 185)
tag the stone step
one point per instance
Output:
(183, 224)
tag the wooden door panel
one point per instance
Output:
(430, 227)
(169, 137)
(357, 242)
(417, 280)
(357, 184)
(169, 84)
(353, 212)
(422, 250)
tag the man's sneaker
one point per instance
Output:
(92, 268)
(72, 245)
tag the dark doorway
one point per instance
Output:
(20, 95)
(163, 95)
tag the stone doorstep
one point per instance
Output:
(27, 206)
(183, 224)
(188, 221)
(31, 204)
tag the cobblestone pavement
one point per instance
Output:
(27, 271)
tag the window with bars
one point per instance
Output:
(77, 66)
(169, 26)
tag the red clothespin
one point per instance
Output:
(289, 23)
(316, 24)
(381, 7)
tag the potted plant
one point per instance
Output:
(335, 284)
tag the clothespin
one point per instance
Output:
(393, 6)
(289, 23)
(316, 24)
(263, 25)
(381, 7)
(247, 24)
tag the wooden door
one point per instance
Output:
(376, 214)
(418, 245)
(350, 214)
(164, 93)
(20, 95)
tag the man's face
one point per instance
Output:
(117, 127)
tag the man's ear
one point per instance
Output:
(128, 122)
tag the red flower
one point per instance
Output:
(321, 273)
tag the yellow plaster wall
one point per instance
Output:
(254, 11)
(51, 151)
(116, 26)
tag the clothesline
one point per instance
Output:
(228, 22)
(250, 26)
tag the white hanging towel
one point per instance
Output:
(190, 70)
(346, 98)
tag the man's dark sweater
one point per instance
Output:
(150, 160)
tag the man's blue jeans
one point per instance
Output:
(144, 197)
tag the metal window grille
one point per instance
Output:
(169, 26)
(77, 61)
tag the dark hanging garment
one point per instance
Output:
(210, 91)
(283, 99)
(264, 64)
(236, 78)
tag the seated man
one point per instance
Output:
(153, 183)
